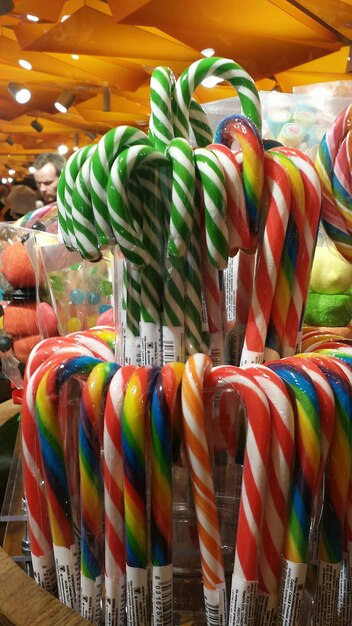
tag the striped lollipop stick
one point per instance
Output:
(164, 409)
(37, 511)
(278, 193)
(56, 480)
(135, 411)
(225, 69)
(115, 561)
(304, 483)
(278, 491)
(286, 272)
(245, 571)
(198, 454)
(91, 489)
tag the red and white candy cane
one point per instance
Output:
(255, 467)
(278, 193)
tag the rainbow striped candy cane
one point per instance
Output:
(115, 560)
(164, 409)
(56, 480)
(135, 409)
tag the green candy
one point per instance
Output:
(328, 309)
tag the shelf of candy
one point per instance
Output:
(200, 473)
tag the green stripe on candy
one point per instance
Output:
(82, 216)
(226, 69)
(162, 84)
(109, 147)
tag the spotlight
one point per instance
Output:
(6, 6)
(12, 172)
(32, 18)
(10, 140)
(25, 64)
(31, 169)
(37, 126)
(19, 92)
(64, 101)
(62, 149)
(91, 135)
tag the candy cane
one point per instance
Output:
(279, 482)
(91, 489)
(225, 69)
(115, 561)
(57, 489)
(196, 368)
(245, 571)
(82, 215)
(268, 259)
(163, 409)
(136, 404)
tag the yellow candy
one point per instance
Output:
(91, 321)
(73, 324)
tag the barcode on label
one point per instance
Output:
(169, 352)
(215, 606)
(162, 609)
(213, 615)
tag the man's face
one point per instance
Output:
(47, 181)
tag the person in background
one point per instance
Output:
(47, 168)
(21, 200)
(4, 209)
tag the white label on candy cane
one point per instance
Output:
(266, 609)
(215, 606)
(150, 343)
(91, 599)
(242, 602)
(115, 601)
(162, 596)
(137, 597)
(292, 583)
(326, 593)
(217, 348)
(44, 572)
(65, 563)
(250, 356)
(343, 601)
(230, 287)
(173, 344)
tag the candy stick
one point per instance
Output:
(213, 297)
(312, 191)
(268, 259)
(181, 218)
(336, 212)
(41, 352)
(91, 489)
(305, 476)
(108, 148)
(38, 521)
(163, 408)
(244, 287)
(246, 133)
(225, 69)
(286, 273)
(56, 481)
(135, 408)
(203, 489)
(115, 561)
(83, 217)
(245, 570)
(237, 218)
(279, 481)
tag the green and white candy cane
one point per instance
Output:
(64, 193)
(83, 217)
(108, 148)
(212, 180)
(139, 245)
(227, 70)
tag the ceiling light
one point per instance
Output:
(75, 57)
(211, 81)
(37, 126)
(64, 101)
(10, 140)
(62, 149)
(10, 179)
(31, 169)
(75, 148)
(6, 6)
(11, 172)
(32, 18)
(4, 181)
(208, 52)
(25, 64)
(64, 18)
(19, 92)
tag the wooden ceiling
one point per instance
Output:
(97, 48)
